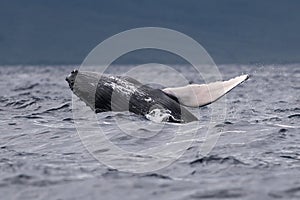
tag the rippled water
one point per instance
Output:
(257, 156)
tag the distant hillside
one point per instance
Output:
(232, 31)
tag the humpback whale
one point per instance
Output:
(103, 93)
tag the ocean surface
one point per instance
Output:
(256, 157)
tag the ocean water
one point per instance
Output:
(256, 157)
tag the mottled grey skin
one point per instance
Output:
(105, 93)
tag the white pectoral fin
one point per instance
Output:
(196, 95)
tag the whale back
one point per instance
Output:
(105, 93)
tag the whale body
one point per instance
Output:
(103, 93)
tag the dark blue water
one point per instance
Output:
(256, 157)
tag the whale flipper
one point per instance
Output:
(196, 95)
